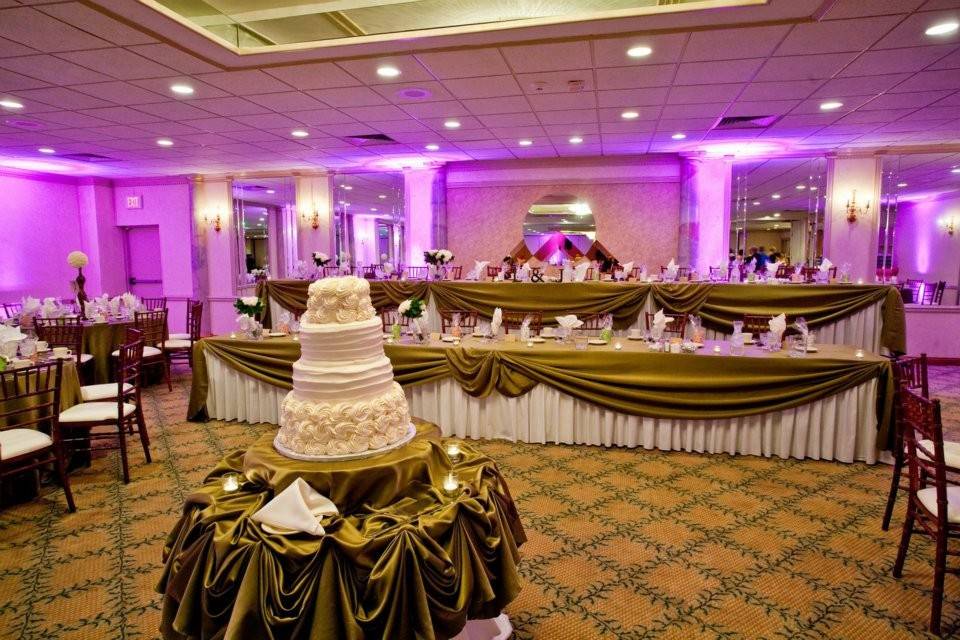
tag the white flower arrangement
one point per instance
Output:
(260, 274)
(320, 258)
(77, 259)
(438, 256)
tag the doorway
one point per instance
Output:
(143, 261)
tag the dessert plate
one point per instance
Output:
(276, 334)
(596, 341)
(537, 339)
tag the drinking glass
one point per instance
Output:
(580, 341)
(28, 347)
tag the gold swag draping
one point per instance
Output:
(680, 386)
(402, 560)
(718, 304)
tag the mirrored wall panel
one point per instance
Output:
(368, 218)
(262, 209)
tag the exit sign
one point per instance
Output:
(134, 202)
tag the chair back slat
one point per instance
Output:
(153, 325)
(154, 304)
(923, 435)
(61, 332)
(12, 309)
(30, 397)
(513, 320)
(468, 319)
(194, 319)
(389, 316)
(676, 328)
(418, 273)
(910, 372)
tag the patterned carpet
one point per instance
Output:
(622, 543)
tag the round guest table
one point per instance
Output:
(403, 559)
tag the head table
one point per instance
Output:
(832, 404)
(867, 316)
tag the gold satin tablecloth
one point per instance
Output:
(633, 380)
(100, 340)
(402, 560)
(718, 304)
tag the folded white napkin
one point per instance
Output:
(30, 306)
(825, 266)
(479, 270)
(627, 268)
(10, 334)
(580, 272)
(772, 269)
(299, 507)
(496, 321)
(49, 308)
(660, 319)
(245, 322)
(569, 322)
(387, 268)
(778, 324)
(672, 268)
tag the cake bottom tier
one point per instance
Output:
(313, 428)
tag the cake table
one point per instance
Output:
(405, 559)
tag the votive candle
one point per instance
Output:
(716, 348)
(453, 451)
(859, 353)
(230, 482)
(617, 346)
(450, 484)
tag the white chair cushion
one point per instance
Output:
(179, 336)
(176, 344)
(16, 442)
(928, 497)
(94, 412)
(951, 452)
(148, 352)
(85, 358)
(92, 392)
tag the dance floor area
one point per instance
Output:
(621, 543)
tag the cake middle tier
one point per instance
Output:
(341, 381)
(347, 342)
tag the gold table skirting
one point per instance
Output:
(100, 340)
(718, 304)
(632, 381)
(403, 560)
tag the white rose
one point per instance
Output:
(77, 259)
(250, 300)
(404, 307)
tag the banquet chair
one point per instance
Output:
(468, 320)
(716, 274)
(455, 272)
(329, 272)
(909, 374)
(30, 435)
(933, 506)
(186, 335)
(63, 332)
(593, 322)
(370, 271)
(910, 290)
(154, 304)
(682, 272)
(493, 271)
(418, 273)
(514, 320)
(113, 420)
(932, 293)
(677, 328)
(182, 350)
(12, 309)
(757, 324)
(389, 316)
(108, 390)
(783, 271)
(635, 274)
(153, 325)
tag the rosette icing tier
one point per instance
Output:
(344, 399)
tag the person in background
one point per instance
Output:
(761, 259)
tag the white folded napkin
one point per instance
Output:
(30, 306)
(299, 507)
(387, 268)
(479, 270)
(825, 266)
(245, 322)
(627, 268)
(660, 319)
(580, 272)
(496, 321)
(672, 268)
(10, 334)
(569, 322)
(772, 269)
(778, 324)
(49, 308)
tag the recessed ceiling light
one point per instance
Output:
(830, 106)
(955, 170)
(801, 187)
(347, 187)
(452, 124)
(373, 208)
(299, 133)
(756, 202)
(388, 72)
(775, 196)
(575, 140)
(814, 188)
(432, 147)
(776, 215)
(271, 191)
(165, 142)
(11, 104)
(639, 52)
(46, 150)
(629, 115)
(901, 184)
(382, 196)
(524, 142)
(182, 89)
(942, 29)
(343, 202)
(679, 136)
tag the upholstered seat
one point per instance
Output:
(148, 352)
(85, 358)
(94, 412)
(179, 336)
(951, 452)
(177, 344)
(16, 442)
(928, 497)
(107, 391)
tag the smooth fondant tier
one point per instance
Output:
(336, 428)
(339, 300)
(342, 380)
(321, 343)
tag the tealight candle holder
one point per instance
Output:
(529, 343)
(617, 346)
(233, 335)
(451, 485)
(859, 353)
(231, 482)
(716, 348)
(454, 452)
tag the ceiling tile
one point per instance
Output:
(121, 115)
(862, 8)
(348, 97)
(555, 81)
(570, 116)
(515, 133)
(640, 77)
(704, 93)
(716, 72)
(267, 121)
(445, 109)
(910, 32)
(526, 119)
(906, 100)
(402, 126)
(34, 29)
(232, 106)
(10, 48)
(505, 104)
(557, 101)
(381, 112)
(247, 82)
(763, 107)
(857, 86)
(487, 87)
(173, 110)
(395, 93)
(52, 69)
(835, 35)
(365, 69)
(321, 117)
(632, 97)
(71, 119)
(96, 23)
(161, 86)
(465, 64)
(926, 80)
(612, 52)
(174, 58)
(809, 67)
(732, 44)
(709, 110)
(779, 90)
(613, 115)
(63, 98)
(117, 63)
(879, 116)
(122, 93)
(548, 56)
(284, 102)
(11, 81)
(318, 75)
(895, 60)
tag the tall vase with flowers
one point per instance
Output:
(437, 260)
(249, 309)
(78, 260)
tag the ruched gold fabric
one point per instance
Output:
(718, 304)
(403, 560)
(632, 381)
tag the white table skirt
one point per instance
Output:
(842, 427)
(862, 329)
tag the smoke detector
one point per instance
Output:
(414, 93)
(538, 87)
(575, 86)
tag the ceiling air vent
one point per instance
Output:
(371, 139)
(86, 157)
(745, 122)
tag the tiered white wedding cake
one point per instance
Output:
(344, 400)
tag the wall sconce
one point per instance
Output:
(853, 210)
(313, 219)
(950, 225)
(217, 222)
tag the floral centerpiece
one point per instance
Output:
(320, 258)
(261, 273)
(437, 260)
(248, 308)
(78, 260)
(414, 309)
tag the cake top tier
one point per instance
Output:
(339, 301)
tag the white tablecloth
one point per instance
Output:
(842, 427)
(862, 329)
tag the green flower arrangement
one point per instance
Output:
(249, 306)
(412, 308)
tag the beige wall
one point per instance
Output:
(635, 201)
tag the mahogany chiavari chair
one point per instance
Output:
(677, 328)
(757, 324)
(182, 350)
(124, 412)
(389, 316)
(493, 271)
(329, 272)
(370, 271)
(932, 293)
(513, 320)
(593, 322)
(12, 309)
(153, 326)
(29, 426)
(418, 273)
(783, 271)
(909, 374)
(186, 334)
(635, 273)
(455, 272)
(63, 332)
(108, 390)
(154, 304)
(468, 320)
(932, 509)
